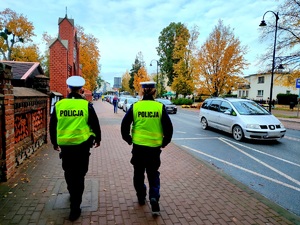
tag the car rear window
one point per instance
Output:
(214, 106)
(205, 104)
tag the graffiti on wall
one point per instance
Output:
(37, 120)
(21, 127)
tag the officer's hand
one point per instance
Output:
(96, 144)
(164, 144)
(56, 147)
(129, 141)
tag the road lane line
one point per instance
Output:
(244, 169)
(258, 151)
(263, 163)
(292, 138)
(176, 139)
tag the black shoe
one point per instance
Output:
(74, 214)
(155, 207)
(142, 201)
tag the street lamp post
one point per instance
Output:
(263, 23)
(157, 64)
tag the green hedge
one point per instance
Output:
(285, 99)
(183, 101)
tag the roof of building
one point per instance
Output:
(63, 42)
(23, 70)
(27, 92)
(71, 21)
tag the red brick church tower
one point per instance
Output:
(64, 56)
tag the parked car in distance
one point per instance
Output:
(121, 101)
(170, 107)
(128, 102)
(240, 117)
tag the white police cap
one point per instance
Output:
(75, 81)
(148, 84)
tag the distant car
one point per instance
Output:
(121, 102)
(128, 102)
(240, 117)
(170, 107)
(122, 99)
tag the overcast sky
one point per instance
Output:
(126, 27)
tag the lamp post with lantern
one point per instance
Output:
(262, 24)
(157, 64)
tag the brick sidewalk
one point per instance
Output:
(192, 192)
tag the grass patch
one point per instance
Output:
(285, 116)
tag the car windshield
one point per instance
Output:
(164, 101)
(249, 108)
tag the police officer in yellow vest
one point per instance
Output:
(74, 129)
(151, 130)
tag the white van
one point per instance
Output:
(242, 118)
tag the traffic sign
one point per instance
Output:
(298, 83)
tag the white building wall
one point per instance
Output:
(260, 90)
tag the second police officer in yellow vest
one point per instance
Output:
(74, 129)
(148, 127)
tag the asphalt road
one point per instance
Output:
(271, 168)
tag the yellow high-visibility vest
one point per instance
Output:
(72, 117)
(146, 128)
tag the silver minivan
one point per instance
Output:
(240, 117)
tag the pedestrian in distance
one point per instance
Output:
(74, 129)
(115, 103)
(151, 130)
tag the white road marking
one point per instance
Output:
(253, 149)
(244, 169)
(292, 138)
(262, 163)
(177, 139)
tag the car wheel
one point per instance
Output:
(204, 123)
(237, 133)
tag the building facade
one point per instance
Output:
(258, 87)
(64, 56)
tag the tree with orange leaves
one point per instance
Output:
(140, 77)
(89, 56)
(15, 29)
(26, 54)
(184, 56)
(220, 62)
(125, 82)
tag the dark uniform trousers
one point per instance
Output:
(75, 163)
(146, 159)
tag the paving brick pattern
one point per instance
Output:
(192, 192)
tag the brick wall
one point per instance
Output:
(66, 32)
(58, 68)
(23, 123)
(7, 123)
(64, 59)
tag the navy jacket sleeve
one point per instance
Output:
(52, 128)
(93, 123)
(126, 125)
(167, 127)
